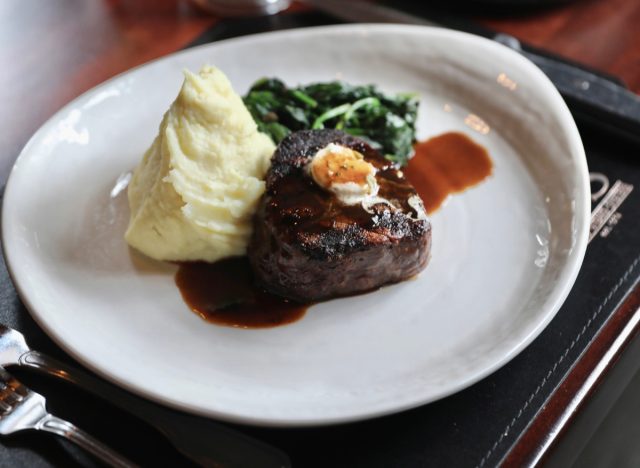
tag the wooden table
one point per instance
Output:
(52, 51)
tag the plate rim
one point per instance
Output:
(569, 271)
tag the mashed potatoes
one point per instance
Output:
(194, 193)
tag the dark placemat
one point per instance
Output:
(472, 428)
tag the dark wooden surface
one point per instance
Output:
(52, 51)
(603, 34)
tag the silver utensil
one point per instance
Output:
(23, 409)
(201, 440)
(242, 7)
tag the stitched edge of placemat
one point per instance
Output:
(562, 357)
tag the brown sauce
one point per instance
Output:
(224, 293)
(446, 164)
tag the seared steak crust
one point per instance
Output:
(308, 246)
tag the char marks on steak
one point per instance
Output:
(308, 246)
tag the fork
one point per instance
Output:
(22, 409)
(204, 441)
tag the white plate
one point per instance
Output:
(505, 254)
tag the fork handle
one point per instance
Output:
(55, 425)
(202, 440)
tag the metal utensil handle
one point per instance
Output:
(47, 364)
(67, 430)
(591, 97)
(203, 441)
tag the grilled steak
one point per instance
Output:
(309, 245)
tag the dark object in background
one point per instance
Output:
(493, 8)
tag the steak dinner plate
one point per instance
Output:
(505, 253)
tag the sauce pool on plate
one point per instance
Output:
(225, 293)
(446, 164)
